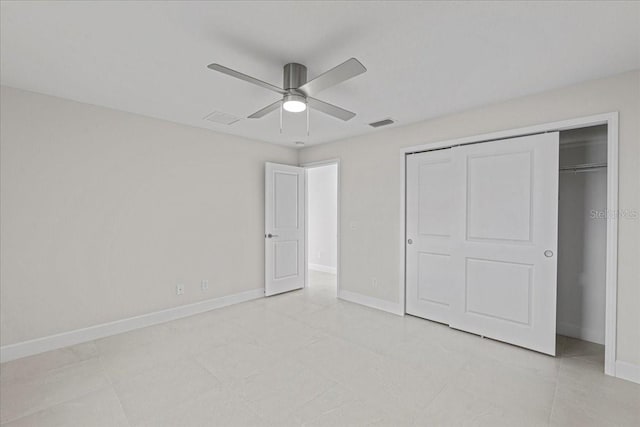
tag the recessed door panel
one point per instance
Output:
(285, 200)
(434, 200)
(499, 191)
(286, 259)
(513, 281)
(434, 278)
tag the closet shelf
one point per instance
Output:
(585, 167)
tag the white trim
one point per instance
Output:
(628, 371)
(403, 230)
(65, 339)
(611, 120)
(611, 269)
(320, 163)
(323, 268)
(379, 304)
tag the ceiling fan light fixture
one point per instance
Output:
(294, 103)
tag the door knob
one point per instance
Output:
(548, 253)
(271, 235)
(410, 241)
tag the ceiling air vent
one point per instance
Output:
(381, 123)
(221, 118)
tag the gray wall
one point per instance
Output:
(104, 212)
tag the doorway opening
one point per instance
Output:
(322, 228)
(582, 243)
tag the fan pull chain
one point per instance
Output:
(281, 108)
(308, 121)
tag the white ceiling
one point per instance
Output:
(423, 59)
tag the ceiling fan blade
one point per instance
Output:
(241, 76)
(330, 109)
(266, 110)
(338, 74)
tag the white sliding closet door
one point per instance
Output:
(429, 227)
(505, 240)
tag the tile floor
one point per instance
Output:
(306, 358)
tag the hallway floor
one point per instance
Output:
(307, 358)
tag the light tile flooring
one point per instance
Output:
(306, 358)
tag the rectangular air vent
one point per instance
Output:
(221, 118)
(380, 123)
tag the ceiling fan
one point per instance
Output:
(297, 93)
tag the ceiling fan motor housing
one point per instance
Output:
(295, 75)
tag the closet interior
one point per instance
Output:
(582, 234)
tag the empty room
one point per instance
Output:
(319, 213)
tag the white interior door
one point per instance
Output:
(429, 227)
(505, 242)
(284, 242)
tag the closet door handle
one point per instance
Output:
(548, 253)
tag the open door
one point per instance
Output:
(505, 240)
(284, 239)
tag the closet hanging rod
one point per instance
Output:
(583, 167)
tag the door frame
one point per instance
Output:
(307, 166)
(609, 119)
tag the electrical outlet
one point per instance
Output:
(204, 285)
(374, 282)
(179, 289)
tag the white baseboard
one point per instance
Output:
(584, 334)
(323, 268)
(53, 342)
(628, 371)
(372, 302)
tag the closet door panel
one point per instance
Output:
(499, 191)
(428, 248)
(510, 280)
(505, 240)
